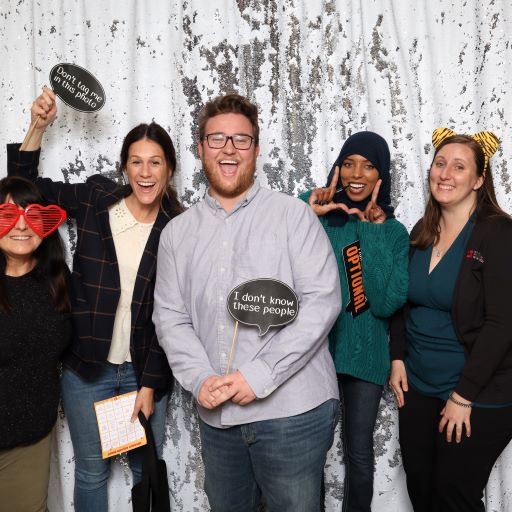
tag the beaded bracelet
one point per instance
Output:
(455, 401)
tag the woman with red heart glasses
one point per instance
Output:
(42, 220)
(35, 328)
(114, 348)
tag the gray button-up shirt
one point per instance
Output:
(204, 253)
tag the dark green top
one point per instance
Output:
(359, 339)
(435, 354)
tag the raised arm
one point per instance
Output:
(68, 196)
(43, 113)
(25, 162)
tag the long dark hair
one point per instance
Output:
(51, 265)
(157, 134)
(486, 202)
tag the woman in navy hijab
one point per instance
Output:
(371, 249)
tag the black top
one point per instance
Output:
(32, 339)
(481, 313)
(95, 282)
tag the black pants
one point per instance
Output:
(449, 477)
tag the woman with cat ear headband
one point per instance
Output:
(35, 328)
(451, 346)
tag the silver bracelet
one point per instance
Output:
(455, 401)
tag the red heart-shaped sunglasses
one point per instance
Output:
(42, 220)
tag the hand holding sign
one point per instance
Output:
(208, 393)
(76, 87)
(43, 112)
(44, 109)
(232, 386)
(263, 303)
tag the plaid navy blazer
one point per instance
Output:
(95, 284)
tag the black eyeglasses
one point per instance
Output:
(219, 140)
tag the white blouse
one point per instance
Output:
(130, 238)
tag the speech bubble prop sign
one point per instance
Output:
(264, 303)
(77, 88)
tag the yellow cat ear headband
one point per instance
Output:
(487, 141)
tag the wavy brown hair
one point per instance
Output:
(486, 202)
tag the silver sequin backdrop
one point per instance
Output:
(319, 70)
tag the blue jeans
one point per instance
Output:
(282, 460)
(360, 405)
(91, 471)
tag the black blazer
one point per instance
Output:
(95, 284)
(481, 313)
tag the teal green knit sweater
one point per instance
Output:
(359, 344)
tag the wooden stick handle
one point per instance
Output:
(232, 351)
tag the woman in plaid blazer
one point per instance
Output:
(114, 348)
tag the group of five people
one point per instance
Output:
(148, 292)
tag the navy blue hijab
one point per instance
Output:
(375, 149)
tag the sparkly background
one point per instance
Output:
(318, 71)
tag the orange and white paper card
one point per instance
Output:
(117, 433)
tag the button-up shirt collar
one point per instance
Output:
(217, 208)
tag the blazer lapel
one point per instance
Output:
(147, 268)
(103, 223)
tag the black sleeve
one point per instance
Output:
(494, 339)
(22, 163)
(397, 337)
(73, 197)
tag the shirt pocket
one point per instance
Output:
(257, 260)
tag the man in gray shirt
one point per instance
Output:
(268, 411)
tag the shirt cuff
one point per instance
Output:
(258, 376)
(467, 389)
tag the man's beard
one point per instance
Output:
(244, 179)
